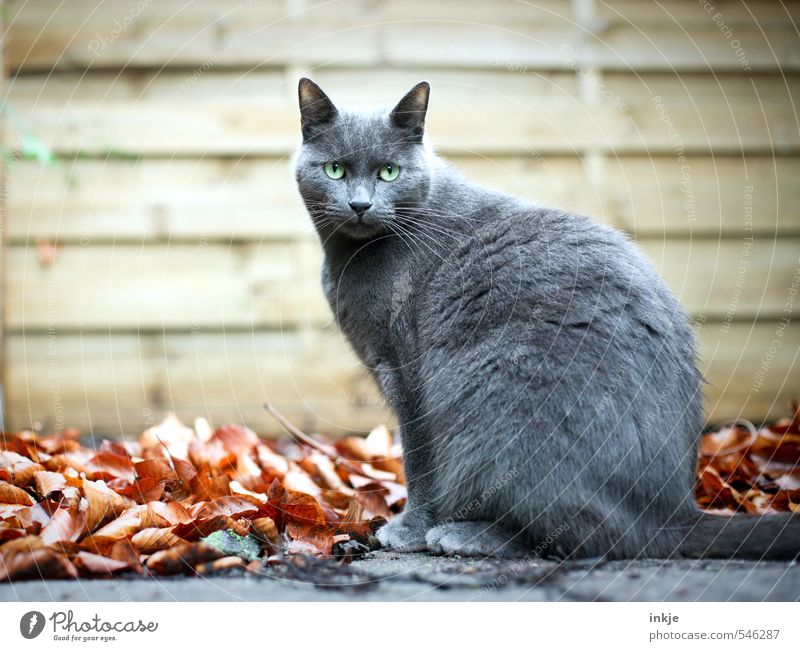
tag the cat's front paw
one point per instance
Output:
(403, 534)
(480, 539)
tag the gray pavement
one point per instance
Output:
(383, 576)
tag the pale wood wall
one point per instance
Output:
(184, 274)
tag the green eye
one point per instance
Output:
(389, 172)
(334, 170)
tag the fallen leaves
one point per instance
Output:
(749, 470)
(184, 500)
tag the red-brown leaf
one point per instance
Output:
(36, 564)
(172, 512)
(104, 503)
(154, 539)
(96, 564)
(230, 505)
(10, 494)
(235, 438)
(181, 559)
(65, 525)
(106, 465)
(145, 490)
(49, 482)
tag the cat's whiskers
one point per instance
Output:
(399, 235)
(418, 238)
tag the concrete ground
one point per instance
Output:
(384, 576)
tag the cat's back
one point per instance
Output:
(526, 261)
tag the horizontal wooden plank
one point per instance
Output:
(657, 196)
(116, 34)
(166, 286)
(471, 111)
(721, 195)
(118, 383)
(269, 284)
(728, 279)
(256, 199)
(142, 200)
(752, 369)
(607, 43)
(88, 33)
(688, 14)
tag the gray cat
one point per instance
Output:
(542, 374)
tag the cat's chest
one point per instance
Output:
(368, 303)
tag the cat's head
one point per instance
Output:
(355, 171)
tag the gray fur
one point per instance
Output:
(542, 374)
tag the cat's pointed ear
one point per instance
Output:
(409, 114)
(316, 109)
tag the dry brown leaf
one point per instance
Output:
(211, 454)
(219, 565)
(185, 470)
(19, 470)
(10, 510)
(203, 527)
(123, 550)
(124, 526)
(10, 494)
(104, 503)
(271, 462)
(182, 558)
(154, 539)
(266, 530)
(230, 505)
(107, 466)
(172, 434)
(96, 564)
(314, 539)
(36, 564)
(172, 512)
(207, 486)
(236, 438)
(49, 482)
(65, 525)
(147, 489)
(157, 469)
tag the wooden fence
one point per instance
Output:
(158, 256)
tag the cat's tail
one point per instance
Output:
(756, 537)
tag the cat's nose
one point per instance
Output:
(360, 207)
